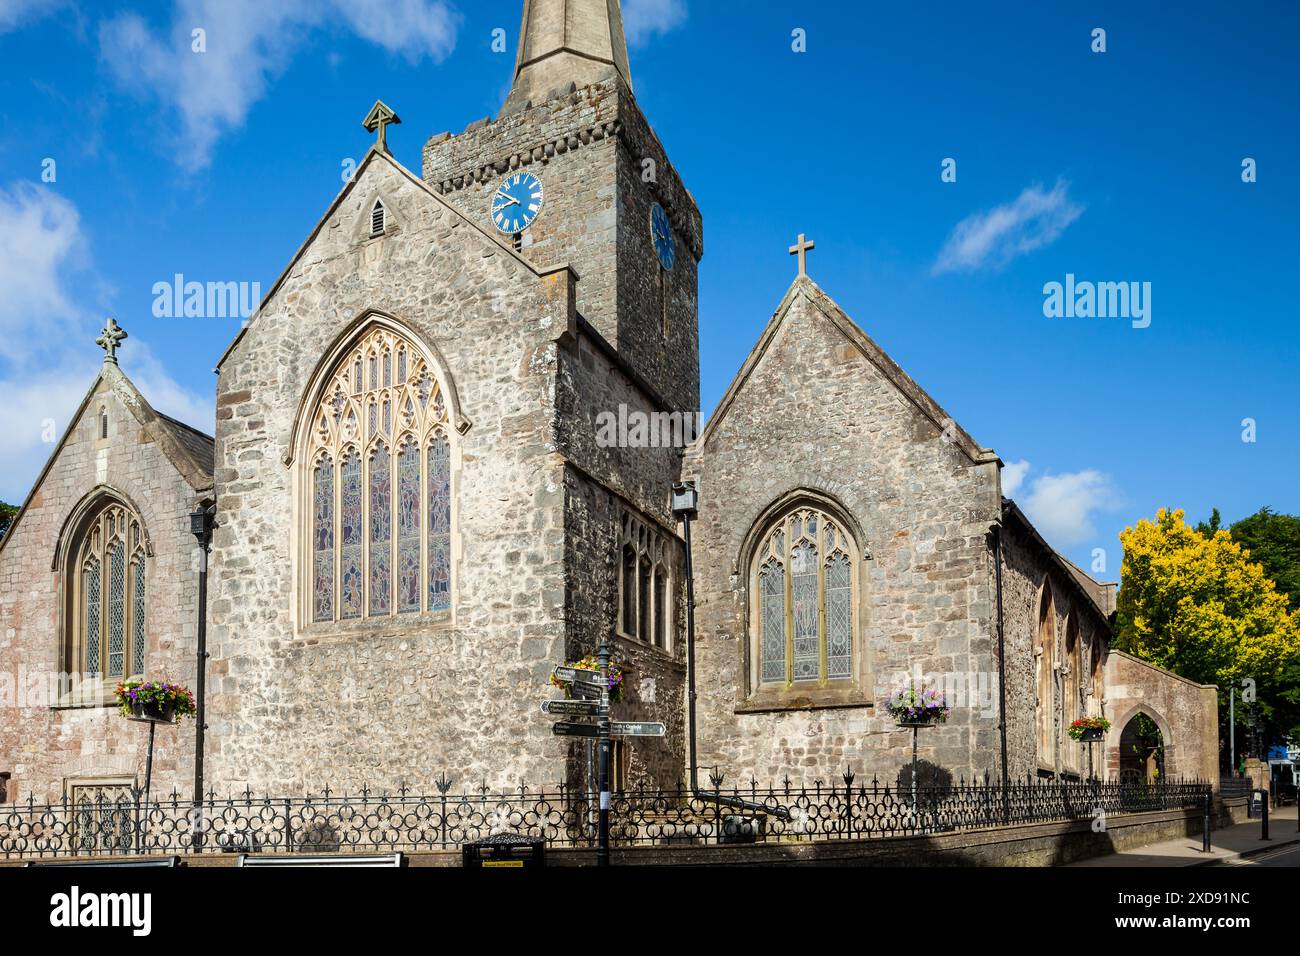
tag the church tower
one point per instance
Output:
(572, 141)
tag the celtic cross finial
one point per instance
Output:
(110, 339)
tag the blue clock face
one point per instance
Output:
(516, 202)
(661, 230)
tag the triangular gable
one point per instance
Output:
(180, 444)
(917, 396)
(375, 155)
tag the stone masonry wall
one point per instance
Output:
(815, 414)
(593, 151)
(1026, 566)
(602, 482)
(395, 701)
(44, 745)
(1187, 714)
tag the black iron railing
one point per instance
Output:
(113, 825)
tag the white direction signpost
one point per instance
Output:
(565, 728)
(571, 708)
(576, 676)
(637, 730)
(590, 693)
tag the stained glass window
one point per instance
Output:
(839, 617)
(350, 536)
(805, 617)
(381, 530)
(137, 617)
(323, 541)
(91, 596)
(408, 525)
(108, 634)
(439, 524)
(116, 609)
(772, 620)
(391, 552)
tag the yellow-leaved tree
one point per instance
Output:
(1197, 605)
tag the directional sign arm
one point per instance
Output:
(643, 729)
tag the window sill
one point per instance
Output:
(84, 702)
(376, 627)
(810, 698)
(90, 694)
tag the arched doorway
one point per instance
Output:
(1141, 751)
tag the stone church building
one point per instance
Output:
(417, 518)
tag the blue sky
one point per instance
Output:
(1122, 166)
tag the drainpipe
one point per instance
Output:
(1002, 673)
(685, 503)
(201, 525)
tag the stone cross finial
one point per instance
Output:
(110, 339)
(380, 118)
(801, 249)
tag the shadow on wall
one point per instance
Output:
(935, 780)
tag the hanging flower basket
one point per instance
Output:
(917, 708)
(154, 700)
(1088, 729)
(616, 682)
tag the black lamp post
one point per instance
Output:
(686, 505)
(202, 521)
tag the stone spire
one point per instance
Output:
(567, 41)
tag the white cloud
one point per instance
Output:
(642, 19)
(47, 356)
(34, 402)
(413, 28)
(15, 14)
(248, 44)
(1062, 506)
(1013, 475)
(995, 237)
(41, 246)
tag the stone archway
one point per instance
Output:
(1143, 749)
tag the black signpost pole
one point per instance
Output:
(602, 845)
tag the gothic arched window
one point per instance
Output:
(805, 600)
(1045, 678)
(108, 577)
(378, 486)
(644, 589)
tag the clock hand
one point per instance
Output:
(509, 200)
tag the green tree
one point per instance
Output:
(1199, 606)
(1274, 541)
(7, 513)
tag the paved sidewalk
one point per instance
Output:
(1229, 844)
